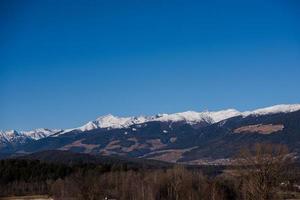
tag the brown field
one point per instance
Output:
(34, 197)
(260, 128)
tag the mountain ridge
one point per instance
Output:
(187, 137)
(114, 122)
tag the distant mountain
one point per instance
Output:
(113, 122)
(190, 117)
(12, 138)
(11, 135)
(188, 137)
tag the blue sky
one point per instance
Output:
(63, 63)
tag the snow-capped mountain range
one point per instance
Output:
(113, 122)
(13, 135)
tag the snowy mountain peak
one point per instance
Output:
(11, 133)
(36, 134)
(193, 117)
(218, 116)
(110, 121)
(188, 116)
(8, 135)
(113, 122)
(282, 108)
(40, 133)
(87, 127)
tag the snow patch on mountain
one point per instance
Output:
(193, 117)
(282, 108)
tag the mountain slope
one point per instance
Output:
(225, 139)
(181, 137)
(72, 158)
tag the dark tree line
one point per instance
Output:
(27, 177)
(264, 172)
(21, 177)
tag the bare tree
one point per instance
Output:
(262, 170)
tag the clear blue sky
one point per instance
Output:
(63, 63)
